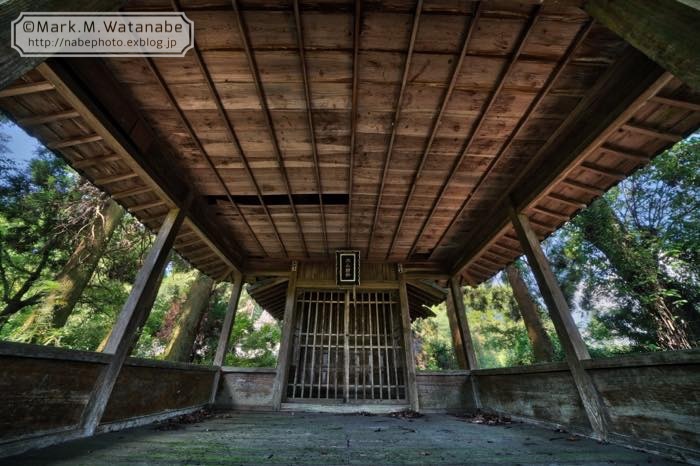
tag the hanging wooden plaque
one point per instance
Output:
(347, 268)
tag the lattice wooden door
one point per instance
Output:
(347, 347)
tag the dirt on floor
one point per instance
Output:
(236, 438)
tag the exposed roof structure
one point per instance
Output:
(399, 128)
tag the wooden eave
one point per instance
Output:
(500, 102)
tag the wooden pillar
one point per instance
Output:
(664, 30)
(226, 329)
(280, 384)
(411, 387)
(574, 348)
(457, 343)
(466, 336)
(136, 308)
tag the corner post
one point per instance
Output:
(133, 314)
(411, 387)
(455, 331)
(226, 329)
(574, 347)
(469, 354)
(280, 384)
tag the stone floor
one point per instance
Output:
(327, 439)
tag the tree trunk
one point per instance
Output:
(541, 344)
(636, 263)
(182, 340)
(75, 274)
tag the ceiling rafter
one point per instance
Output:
(436, 124)
(232, 134)
(353, 114)
(252, 64)
(549, 84)
(532, 20)
(395, 122)
(183, 119)
(310, 118)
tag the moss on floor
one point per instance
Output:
(326, 439)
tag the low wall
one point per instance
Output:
(653, 399)
(45, 389)
(245, 388)
(445, 391)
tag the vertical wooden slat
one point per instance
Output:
(320, 346)
(372, 298)
(285, 345)
(298, 348)
(346, 349)
(379, 351)
(330, 339)
(307, 330)
(312, 368)
(386, 348)
(411, 388)
(393, 352)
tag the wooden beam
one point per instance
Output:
(267, 116)
(62, 144)
(353, 114)
(619, 93)
(410, 362)
(26, 88)
(395, 122)
(147, 205)
(541, 94)
(652, 132)
(635, 157)
(280, 385)
(115, 178)
(590, 189)
(193, 136)
(48, 118)
(567, 200)
(310, 121)
(550, 212)
(89, 87)
(92, 161)
(226, 329)
(493, 97)
(574, 348)
(132, 192)
(665, 30)
(668, 101)
(604, 171)
(457, 342)
(460, 316)
(135, 310)
(436, 124)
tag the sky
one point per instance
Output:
(21, 145)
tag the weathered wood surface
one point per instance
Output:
(410, 362)
(247, 390)
(457, 344)
(132, 316)
(665, 30)
(47, 392)
(347, 76)
(12, 66)
(569, 336)
(445, 392)
(141, 391)
(283, 357)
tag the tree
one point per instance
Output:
(639, 245)
(529, 310)
(74, 276)
(191, 313)
(35, 228)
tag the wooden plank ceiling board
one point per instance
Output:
(398, 127)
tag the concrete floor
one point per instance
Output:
(303, 438)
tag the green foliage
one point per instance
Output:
(433, 349)
(255, 338)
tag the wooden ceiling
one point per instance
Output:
(395, 127)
